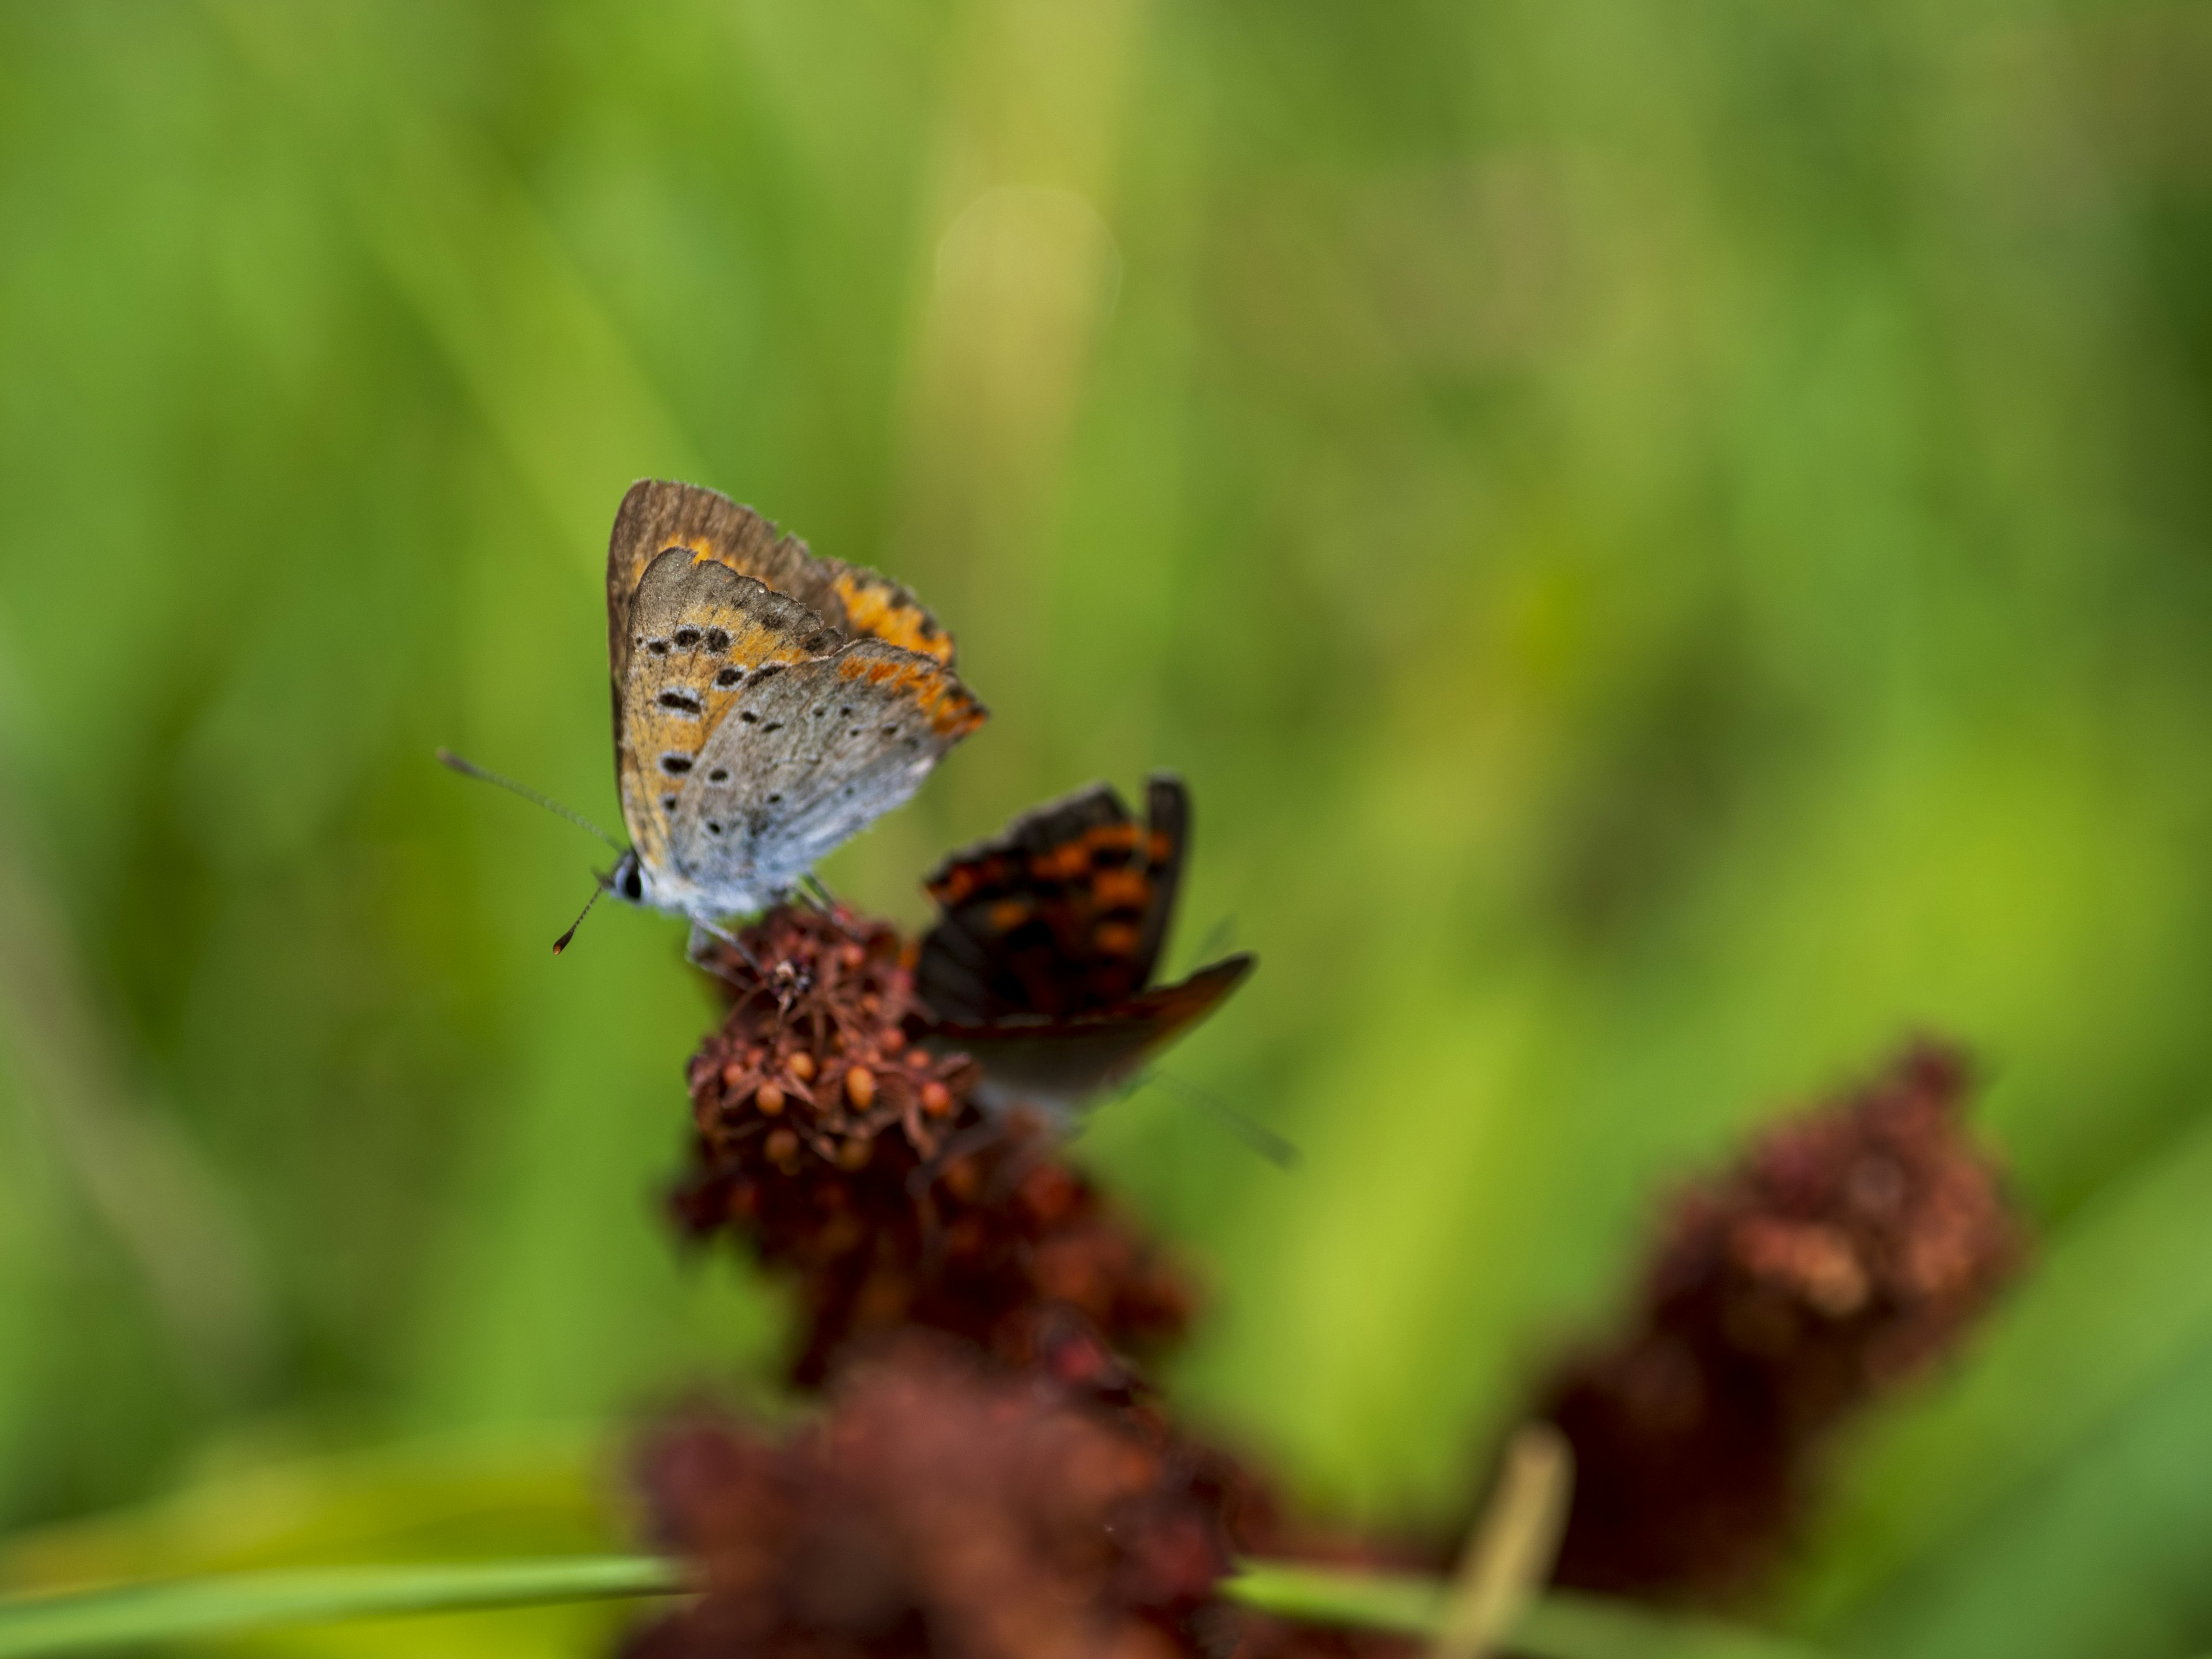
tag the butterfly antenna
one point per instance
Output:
(561, 943)
(469, 768)
(1281, 1153)
(1217, 940)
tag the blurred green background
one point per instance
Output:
(1671, 544)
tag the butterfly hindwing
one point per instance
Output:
(806, 755)
(1060, 1063)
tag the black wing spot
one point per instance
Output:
(658, 647)
(855, 732)
(765, 670)
(748, 717)
(890, 730)
(685, 702)
(913, 743)
(686, 638)
(729, 676)
(718, 639)
(821, 641)
(820, 709)
(773, 725)
(719, 774)
(846, 709)
(675, 765)
(668, 803)
(712, 827)
(775, 800)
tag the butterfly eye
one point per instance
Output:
(633, 886)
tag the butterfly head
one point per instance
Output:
(626, 881)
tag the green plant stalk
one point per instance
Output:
(1558, 1627)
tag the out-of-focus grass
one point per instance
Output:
(1671, 547)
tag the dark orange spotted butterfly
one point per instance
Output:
(1040, 962)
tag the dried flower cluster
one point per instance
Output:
(989, 1475)
(817, 1054)
(835, 1143)
(1848, 1246)
(942, 1506)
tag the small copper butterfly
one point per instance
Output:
(1040, 963)
(768, 705)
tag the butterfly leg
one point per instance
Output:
(813, 883)
(699, 950)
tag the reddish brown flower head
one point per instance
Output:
(816, 1060)
(941, 1507)
(1849, 1245)
(829, 1140)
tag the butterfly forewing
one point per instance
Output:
(1065, 911)
(697, 633)
(657, 515)
(1167, 840)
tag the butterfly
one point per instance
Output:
(1040, 963)
(768, 705)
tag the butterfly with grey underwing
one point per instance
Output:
(768, 704)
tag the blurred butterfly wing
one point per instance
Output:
(1064, 912)
(657, 515)
(1058, 1064)
(1014, 937)
(804, 756)
(1166, 843)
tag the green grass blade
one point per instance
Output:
(90, 1620)
(1561, 1626)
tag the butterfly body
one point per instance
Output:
(768, 705)
(1040, 965)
